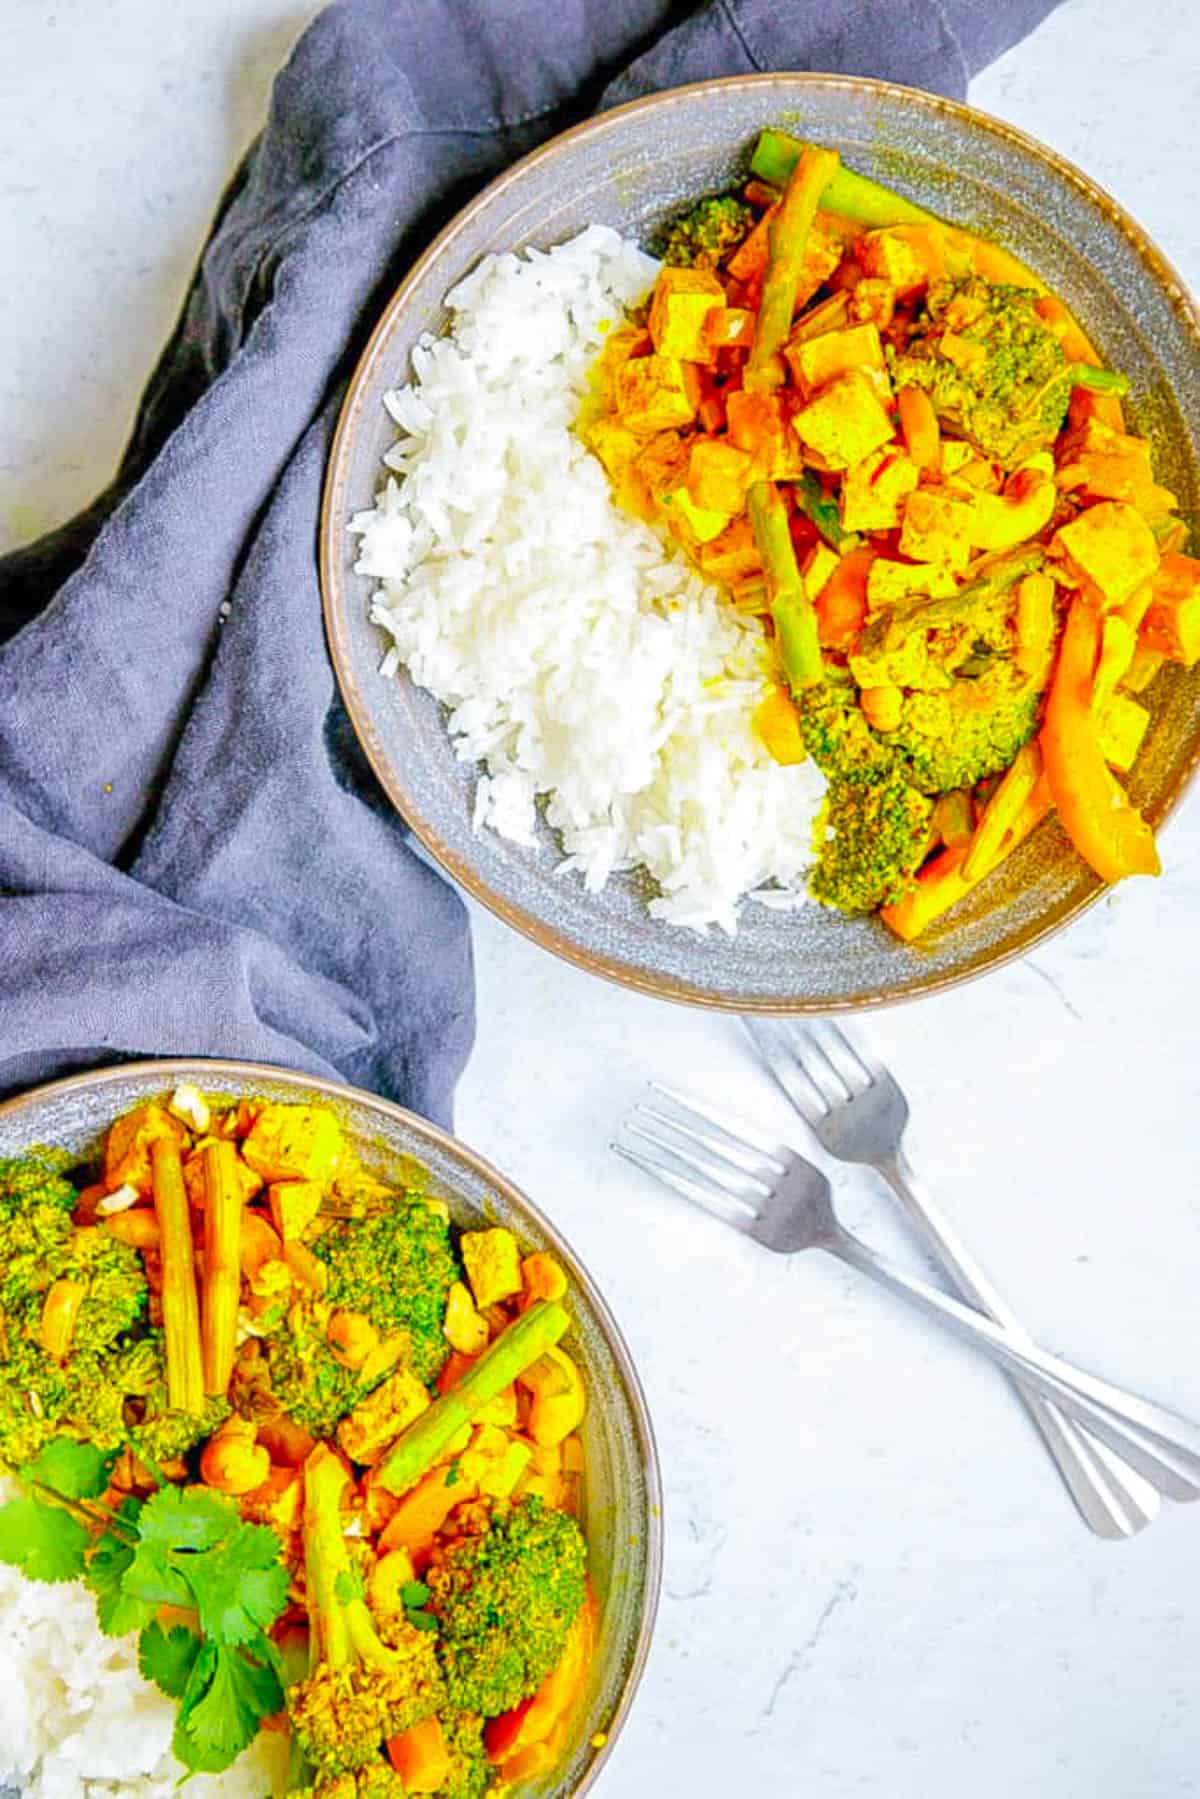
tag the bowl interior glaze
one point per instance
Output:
(623, 1494)
(631, 169)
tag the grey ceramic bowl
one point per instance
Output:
(630, 169)
(623, 1498)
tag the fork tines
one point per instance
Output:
(703, 1154)
(814, 1061)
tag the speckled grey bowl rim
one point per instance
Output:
(334, 511)
(213, 1072)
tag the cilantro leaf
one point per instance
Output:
(414, 1593)
(422, 1620)
(76, 1470)
(152, 1580)
(45, 1542)
(167, 1657)
(118, 1613)
(244, 1585)
(227, 1697)
(179, 1519)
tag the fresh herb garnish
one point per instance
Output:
(185, 1547)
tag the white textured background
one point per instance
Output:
(874, 1584)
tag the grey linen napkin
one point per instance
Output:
(194, 857)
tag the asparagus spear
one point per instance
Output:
(181, 1310)
(787, 240)
(823, 511)
(791, 609)
(854, 196)
(515, 1350)
(1099, 381)
(222, 1264)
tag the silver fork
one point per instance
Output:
(857, 1111)
(770, 1193)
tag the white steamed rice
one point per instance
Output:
(77, 1721)
(581, 659)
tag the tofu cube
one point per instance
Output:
(820, 359)
(1171, 625)
(493, 1264)
(656, 393)
(681, 303)
(890, 582)
(874, 490)
(1111, 546)
(295, 1143)
(937, 526)
(718, 475)
(907, 257)
(733, 556)
(845, 422)
(294, 1205)
(693, 523)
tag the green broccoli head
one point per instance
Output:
(83, 1394)
(974, 729)
(874, 837)
(703, 236)
(359, 1691)
(992, 367)
(396, 1269)
(505, 1602)
(470, 1772)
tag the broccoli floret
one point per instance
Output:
(992, 367)
(705, 234)
(505, 1602)
(157, 1432)
(395, 1269)
(471, 1772)
(359, 1690)
(82, 1393)
(973, 730)
(378, 1780)
(875, 837)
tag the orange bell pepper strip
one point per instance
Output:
(919, 426)
(537, 1719)
(842, 602)
(1106, 828)
(944, 881)
(420, 1756)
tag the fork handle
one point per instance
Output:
(1119, 1418)
(1113, 1497)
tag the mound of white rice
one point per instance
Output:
(582, 660)
(77, 1721)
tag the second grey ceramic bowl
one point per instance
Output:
(631, 169)
(623, 1496)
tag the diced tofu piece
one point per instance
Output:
(907, 257)
(817, 567)
(679, 308)
(890, 582)
(1123, 724)
(1171, 624)
(955, 456)
(874, 301)
(660, 464)
(542, 1276)
(295, 1143)
(377, 1420)
(493, 1264)
(495, 1462)
(817, 360)
(1113, 466)
(733, 556)
(294, 1205)
(845, 422)
(613, 443)
(1142, 670)
(718, 475)
(127, 1151)
(1111, 546)
(937, 526)
(559, 1400)
(464, 1328)
(248, 1182)
(874, 489)
(656, 393)
(758, 425)
(694, 524)
(628, 340)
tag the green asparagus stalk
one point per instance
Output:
(1099, 381)
(791, 609)
(515, 1350)
(854, 196)
(787, 241)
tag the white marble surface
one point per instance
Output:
(874, 1585)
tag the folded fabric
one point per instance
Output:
(194, 857)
